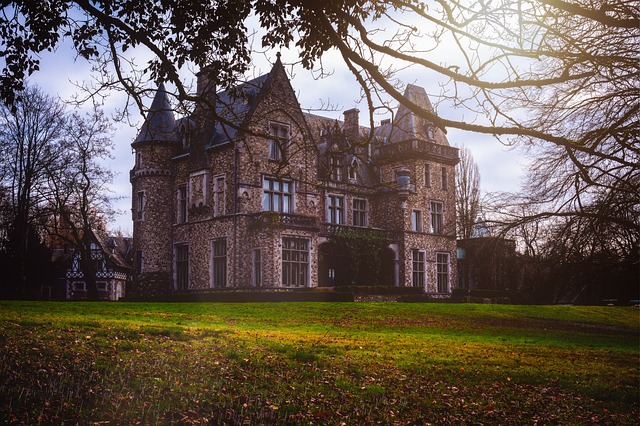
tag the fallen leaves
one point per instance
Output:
(110, 371)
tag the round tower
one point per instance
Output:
(153, 199)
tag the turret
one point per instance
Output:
(153, 199)
(417, 167)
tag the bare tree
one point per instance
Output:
(528, 71)
(30, 140)
(52, 178)
(467, 193)
(78, 195)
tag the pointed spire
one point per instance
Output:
(160, 124)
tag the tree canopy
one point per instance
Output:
(561, 74)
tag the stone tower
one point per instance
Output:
(418, 164)
(153, 199)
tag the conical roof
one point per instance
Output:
(160, 124)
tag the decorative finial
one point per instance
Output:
(278, 56)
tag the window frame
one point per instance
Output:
(183, 204)
(219, 195)
(181, 265)
(427, 175)
(418, 268)
(360, 215)
(352, 170)
(336, 214)
(271, 194)
(335, 168)
(443, 272)
(141, 201)
(436, 222)
(295, 263)
(416, 220)
(445, 181)
(278, 144)
(219, 263)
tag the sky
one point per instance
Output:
(501, 168)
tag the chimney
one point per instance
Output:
(205, 90)
(205, 85)
(351, 124)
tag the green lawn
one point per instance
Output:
(320, 363)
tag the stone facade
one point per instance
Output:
(268, 196)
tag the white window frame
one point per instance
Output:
(183, 203)
(352, 170)
(335, 167)
(205, 188)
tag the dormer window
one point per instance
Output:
(353, 170)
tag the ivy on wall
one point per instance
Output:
(363, 248)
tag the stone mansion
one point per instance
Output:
(268, 196)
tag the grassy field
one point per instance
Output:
(317, 363)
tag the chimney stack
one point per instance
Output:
(351, 124)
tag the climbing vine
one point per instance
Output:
(363, 249)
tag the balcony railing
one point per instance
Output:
(282, 220)
(329, 228)
(414, 146)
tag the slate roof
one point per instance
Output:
(407, 125)
(365, 173)
(234, 105)
(160, 124)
